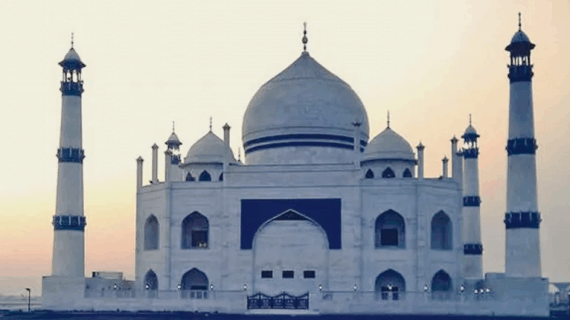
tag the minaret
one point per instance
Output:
(522, 219)
(173, 172)
(69, 221)
(472, 247)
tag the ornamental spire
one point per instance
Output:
(470, 119)
(210, 123)
(305, 39)
(519, 21)
(388, 122)
(72, 40)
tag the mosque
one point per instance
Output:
(320, 217)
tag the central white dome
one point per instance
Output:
(303, 115)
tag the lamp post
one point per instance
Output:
(29, 298)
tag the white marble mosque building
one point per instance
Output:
(321, 216)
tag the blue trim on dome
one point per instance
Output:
(333, 137)
(473, 249)
(302, 144)
(76, 223)
(518, 220)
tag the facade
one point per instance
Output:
(317, 218)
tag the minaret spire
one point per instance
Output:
(388, 121)
(520, 22)
(172, 126)
(72, 40)
(210, 123)
(305, 39)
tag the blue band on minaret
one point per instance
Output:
(71, 89)
(76, 223)
(471, 201)
(75, 155)
(520, 73)
(175, 159)
(521, 146)
(471, 153)
(473, 249)
(518, 220)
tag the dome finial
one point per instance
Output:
(305, 40)
(72, 40)
(470, 119)
(210, 123)
(172, 126)
(519, 21)
(388, 119)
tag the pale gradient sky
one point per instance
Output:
(430, 63)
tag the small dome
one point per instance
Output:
(470, 134)
(173, 141)
(72, 60)
(520, 36)
(209, 149)
(388, 145)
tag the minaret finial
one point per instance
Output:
(172, 126)
(388, 119)
(470, 119)
(210, 123)
(72, 40)
(239, 154)
(305, 40)
(519, 21)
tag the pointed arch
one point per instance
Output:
(151, 233)
(221, 177)
(388, 173)
(389, 285)
(205, 176)
(407, 173)
(195, 229)
(369, 174)
(150, 280)
(390, 230)
(189, 177)
(441, 285)
(441, 232)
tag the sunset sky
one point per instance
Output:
(430, 63)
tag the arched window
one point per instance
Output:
(390, 230)
(388, 173)
(150, 281)
(441, 232)
(390, 285)
(205, 176)
(194, 284)
(441, 286)
(195, 231)
(189, 177)
(151, 233)
(369, 174)
(407, 173)
(221, 177)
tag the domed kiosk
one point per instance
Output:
(303, 115)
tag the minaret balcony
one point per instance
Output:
(517, 220)
(71, 88)
(75, 155)
(520, 73)
(76, 223)
(521, 146)
(471, 153)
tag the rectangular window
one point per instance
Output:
(309, 274)
(288, 274)
(389, 237)
(266, 274)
